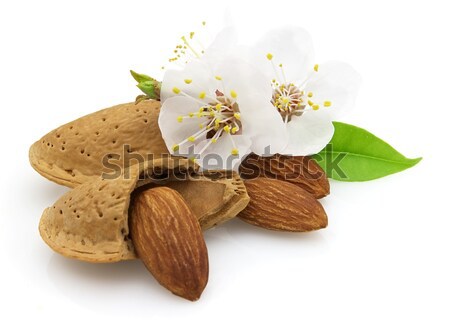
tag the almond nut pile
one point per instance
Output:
(156, 207)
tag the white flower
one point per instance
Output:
(218, 113)
(202, 44)
(308, 96)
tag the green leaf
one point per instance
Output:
(148, 85)
(150, 88)
(356, 155)
(141, 77)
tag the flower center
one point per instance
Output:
(219, 117)
(288, 99)
(223, 116)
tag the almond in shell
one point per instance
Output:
(90, 222)
(84, 149)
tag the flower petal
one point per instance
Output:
(290, 46)
(219, 155)
(263, 124)
(335, 82)
(174, 132)
(222, 45)
(193, 79)
(242, 78)
(308, 134)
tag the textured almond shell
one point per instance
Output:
(73, 153)
(90, 223)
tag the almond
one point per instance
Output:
(301, 171)
(279, 205)
(168, 239)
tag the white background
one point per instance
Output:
(384, 256)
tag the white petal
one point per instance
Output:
(290, 46)
(336, 82)
(196, 71)
(174, 132)
(218, 155)
(242, 78)
(308, 134)
(224, 44)
(263, 124)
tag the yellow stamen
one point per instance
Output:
(191, 35)
(186, 43)
(214, 140)
(191, 114)
(175, 147)
(310, 103)
(180, 119)
(201, 125)
(191, 139)
(202, 95)
(327, 104)
(204, 23)
(316, 67)
(269, 56)
(176, 90)
(237, 115)
(234, 130)
(315, 107)
(218, 106)
(233, 94)
(218, 78)
(310, 94)
(234, 151)
(226, 129)
(188, 81)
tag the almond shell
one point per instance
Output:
(87, 147)
(90, 223)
